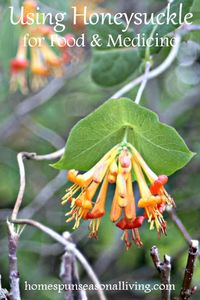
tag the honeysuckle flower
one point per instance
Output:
(117, 167)
(18, 69)
(44, 61)
(92, 7)
(29, 7)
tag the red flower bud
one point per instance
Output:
(163, 179)
(18, 65)
(158, 184)
(124, 161)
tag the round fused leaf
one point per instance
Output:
(160, 145)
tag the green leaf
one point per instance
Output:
(160, 145)
(112, 67)
(157, 30)
(112, 63)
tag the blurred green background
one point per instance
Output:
(174, 96)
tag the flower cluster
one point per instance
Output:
(44, 62)
(118, 167)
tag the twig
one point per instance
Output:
(179, 225)
(143, 84)
(69, 247)
(13, 268)
(66, 274)
(190, 27)
(187, 291)
(154, 73)
(164, 268)
(20, 157)
(3, 292)
(69, 275)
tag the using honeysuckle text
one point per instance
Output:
(165, 17)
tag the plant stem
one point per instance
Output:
(125, 138)
(164, 268)
(20, 158)
(179, 225)
(3, 292)
(13, 238)
(154, 73)
(69, 274)
(143, 84)
(187, 291)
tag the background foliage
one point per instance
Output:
(174, 96)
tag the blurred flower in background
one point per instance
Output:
(36, 59)
(92, 7)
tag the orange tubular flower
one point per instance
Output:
(18, 67)
(116, 167)
(44, 62)
(29, 7)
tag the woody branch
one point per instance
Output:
(69, 274)
(187, 291)
(3, 292)
(164, 268)
(14, 235)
